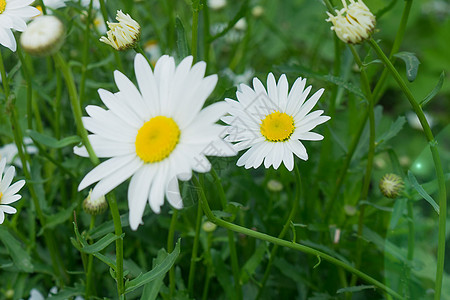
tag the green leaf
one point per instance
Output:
(102, 243)
(252, 263)
(353, 289)
(52, 142)
(68, 293)
(151, 289)
(422, 192)
(397, 213)
(182, 45)
(412, 64)
(160, 270)
(240, 14)
(223, 274)
(436, 90)
(20, 257)
(393, 130)
(58, 218)
(108, 227)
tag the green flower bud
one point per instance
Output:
(209, 226)
(391, 185)
(95, 206)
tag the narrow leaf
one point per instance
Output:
(393, 130)
(412, 64)
(52, 142)
(397, 213)
(157, 271)
(422, 192)
(102, 243)
(353, 289)
(20, 257)
(252, 263)
(151, 289)
(182, 45)
(436, 90)
(58, 218)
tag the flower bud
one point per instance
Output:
(94, 206)
(217, 4)
(43, 36)
(274, 185)
(353, 23)
(391, 185)
(209, 226)
(123, 35)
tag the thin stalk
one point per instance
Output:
(283, 232)
(29, 88)
(119, 244)
(206, 33)
(370, 156)
(442, 194)
(284, 243)
(85, 53)
(195, 10)
(194, 250)
(231, 243)
(76, 106)
(89, 266)
(170, 237)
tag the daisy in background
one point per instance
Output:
(7, 191)
(10, 152)
(13, 16)
(156, 134)
(272, 123)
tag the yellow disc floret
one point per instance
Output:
(2, 6)
(1, 195)
(156, 139)
(277, 127)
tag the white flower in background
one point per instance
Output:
(123, 35)
(95, 3)
(7, 191)
(237, 79)
(9, 151)
(241, 24)
(353, 23)
(217, 4)
(414, 121)
(152, 50)
(13, 16)
(99, 23)
(155, 134)
(257, 11)
(44, 36)
(55, 4)
(271, 123)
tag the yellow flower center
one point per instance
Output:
(1, 195)
(156, 139)
(2, 6)
(277, 127)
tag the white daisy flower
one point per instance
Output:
(155, 134)
(13, 15)
(44, 36)
(271, 123)
(10, 152)
(7, 191)
(123, 35)
(217, 4)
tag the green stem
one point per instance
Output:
(442, 194)
(194, 250)
(206, 33)
(195, 10)
(370, 156)
(90, 264)
(283, 232)
(76, 106)
(170, 238)
(288, 244)
(85, 53)
(119, 244)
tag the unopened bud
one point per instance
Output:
(391, 185)
(43, 36)
(209, 226)
(95, 206)
(274, 185)
(123, 35)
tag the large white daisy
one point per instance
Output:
(13, 15)
(272, 123)
(8, 192)
(155, 134)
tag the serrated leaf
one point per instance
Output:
(20, 257)
(436, 90)
(52, 142)
(160, 270)
(182, 45)
(353, 289)
(102, 243)
(422, 192)
(412, 64)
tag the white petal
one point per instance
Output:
(309, 136)
(2, 167)
(295, 95)
(8, 209)
(10, 199)
(7, 179)
(306, 108)
(283, 87)
(2, 216)
(107, 148)
(272, 89)
(114, 179)
(297, 148)
(147, 84)
(156, 196)
(288, 159)
(109, 126)
(173, 193)
(133, 97)
(165, 79)
(312, 124)
(106, 168)
(138, 191)
(118, 105)
(13, 189)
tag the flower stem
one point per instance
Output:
(194, 250)
(288, 244)
(170, 237)
(119, 244)
(89, 267)
(283, 232)
(437, 164)
(195, 10)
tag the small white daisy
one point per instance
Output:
(7, 191)
(271, 123)
(13, 15)
(155, 134)
(10, 152)
(44, 36)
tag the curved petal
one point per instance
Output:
(138, 191)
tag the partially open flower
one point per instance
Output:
(354, 23)
(123, 35)
(95, 206)
(43, 36)
(391, 185)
